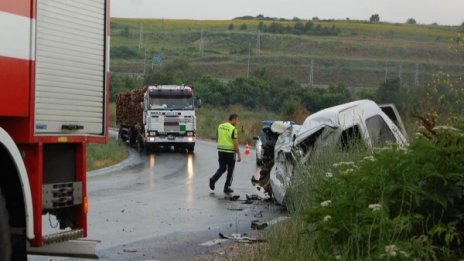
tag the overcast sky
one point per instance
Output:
(444, 12)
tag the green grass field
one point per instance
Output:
(360, 56)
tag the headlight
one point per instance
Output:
(151, 139)
(190, 139)
(190, 134)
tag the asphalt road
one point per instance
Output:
(159, 206)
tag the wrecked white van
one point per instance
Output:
(343, 125)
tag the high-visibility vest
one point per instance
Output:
(225, 136)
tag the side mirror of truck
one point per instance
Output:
(198, 103)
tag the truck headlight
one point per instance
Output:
(189, 134)
(151, 139)
(190, 139)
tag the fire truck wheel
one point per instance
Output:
(190, 149)
(5, 236)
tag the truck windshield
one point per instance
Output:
(178, 103)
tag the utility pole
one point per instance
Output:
(201, 41)
(386, 70)
(144, 61)
(249, 57)
(258, 42)
(141, 37)
(416, 77)
(311, 73)
(400, 72)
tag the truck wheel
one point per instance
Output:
(132, 137)
(5, 236)
(121, 134)
(147, 148)
(190, 149)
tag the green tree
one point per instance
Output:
(375, 18)
(211, 91)
(299, 27)
(231, 27)
(411, 21)
(389, 91)
(309, 26)
(122, 83)
(125, 32)
(243, 27)
(123, 52)
(172, 72)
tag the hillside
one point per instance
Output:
(358, 54)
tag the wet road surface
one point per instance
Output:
(159, 207)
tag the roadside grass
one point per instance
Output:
(395, 203)
(112, 115)
(250, 122)
(104, 155)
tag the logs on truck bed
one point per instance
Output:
(128, 109)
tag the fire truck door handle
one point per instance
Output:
(72, 127)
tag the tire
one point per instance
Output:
(120, 134)
(5, 235)
(191, 148)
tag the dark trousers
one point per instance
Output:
(226, 162)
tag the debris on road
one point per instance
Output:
(235, 209)
(239, 238)
(258, 226)
(129, 250)
(232, 198)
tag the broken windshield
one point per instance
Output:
(177, 103)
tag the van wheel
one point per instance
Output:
(5, 235)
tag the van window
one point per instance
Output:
(379, 131)
(351, 139)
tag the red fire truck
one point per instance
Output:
(54, 78)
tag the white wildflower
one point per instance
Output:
(348, 171)
(327, 218)
(338, 257)
(392, 250)
(329, 174)
(326, 203)
(444, 127)
(375, 207)
(344, 163)
(369, 158)
(378, 150)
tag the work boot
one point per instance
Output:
(228, 190)
(211, 184)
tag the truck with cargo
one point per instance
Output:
(54, 79)
(157, 116)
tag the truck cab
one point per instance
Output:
(169, 117)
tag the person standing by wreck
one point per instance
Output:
(227, 145)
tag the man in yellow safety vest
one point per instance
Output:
(227, 145)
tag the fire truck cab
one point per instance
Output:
(54, 80)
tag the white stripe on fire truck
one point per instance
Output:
(17, 36)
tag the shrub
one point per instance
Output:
(402, 203)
